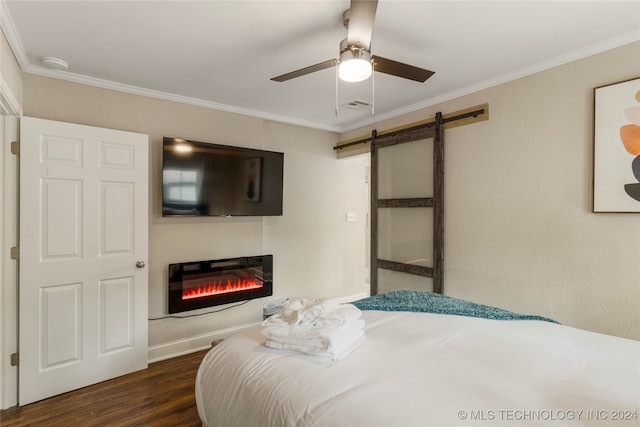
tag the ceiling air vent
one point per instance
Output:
(357, 105)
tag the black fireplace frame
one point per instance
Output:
(178, 271)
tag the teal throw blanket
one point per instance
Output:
(428, 302)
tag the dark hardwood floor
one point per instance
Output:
(162, 395)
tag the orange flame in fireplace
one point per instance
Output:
(220, 287)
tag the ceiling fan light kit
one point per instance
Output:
(355, 65)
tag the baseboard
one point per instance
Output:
(355, 297)
(192, 344)
(203, 342)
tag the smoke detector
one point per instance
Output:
(55, 63)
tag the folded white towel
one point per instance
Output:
(341, 316)
(323, 328)
(317, 337)
(334, 354)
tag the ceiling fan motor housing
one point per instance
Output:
(354, 47)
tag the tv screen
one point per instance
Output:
(202, 179)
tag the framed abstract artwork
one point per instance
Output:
(616, 147)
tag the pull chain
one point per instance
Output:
(336, 67)
(373, 88)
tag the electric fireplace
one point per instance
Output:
(201, 284)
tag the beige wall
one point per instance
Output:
(316, 252)
(519, 229)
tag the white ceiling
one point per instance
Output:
(222, 54)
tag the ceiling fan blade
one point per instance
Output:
(307, 70)
(362, 14)
(398, 69)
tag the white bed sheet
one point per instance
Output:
(422, 369)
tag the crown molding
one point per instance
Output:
(165, 96)
(10, 32)
(594, 49)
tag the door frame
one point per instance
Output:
(10, 112)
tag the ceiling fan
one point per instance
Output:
(355, 62)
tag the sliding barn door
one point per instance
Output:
(407, 203)
(83, 245)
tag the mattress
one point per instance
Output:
(428, 369)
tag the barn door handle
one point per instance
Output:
(140, 264)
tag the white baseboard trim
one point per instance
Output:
(355, 297)
(202, 342)
(192, 344)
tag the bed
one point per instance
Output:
(424, 365)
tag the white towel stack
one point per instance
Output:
(323, 328)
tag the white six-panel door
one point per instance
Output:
(83, 245)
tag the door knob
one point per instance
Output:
(140, 264)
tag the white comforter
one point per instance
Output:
(421, 369)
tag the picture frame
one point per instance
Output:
(616, 147)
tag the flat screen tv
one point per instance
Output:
(203, 179)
